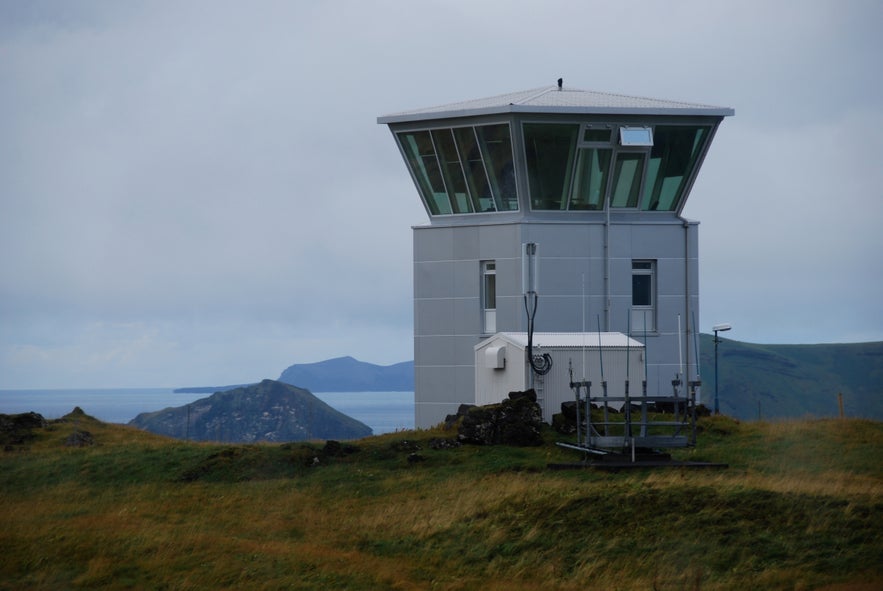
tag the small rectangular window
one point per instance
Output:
(489, 296)
(643, 315)
(635, 136)
(596, 135)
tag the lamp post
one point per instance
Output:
(717, 328)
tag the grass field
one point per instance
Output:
(800, 507)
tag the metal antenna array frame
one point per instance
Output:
(633, 430)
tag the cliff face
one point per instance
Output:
(269, 411)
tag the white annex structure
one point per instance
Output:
(597, 182)
(501, 366)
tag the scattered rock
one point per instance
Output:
(19, 428)
(517, 421)
(405, 445)
(562, 424)
(338, 449)
(452, 421)
(415, 457)
(441, 443)
(79, 439)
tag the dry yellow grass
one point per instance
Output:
(117, 516)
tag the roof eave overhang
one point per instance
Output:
(581, 111)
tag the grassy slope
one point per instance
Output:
(801, 507)
(794, 380)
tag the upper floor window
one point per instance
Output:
(673, 158)
(550, 149)
(462, 170)
(590, 166)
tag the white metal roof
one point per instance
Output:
(554, 100)
(566, 340)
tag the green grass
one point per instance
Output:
(801, 507)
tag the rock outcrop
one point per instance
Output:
(517, 421)
(18, 429)
(269, 411)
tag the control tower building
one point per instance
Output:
(597, 182)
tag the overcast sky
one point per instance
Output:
(198, 193)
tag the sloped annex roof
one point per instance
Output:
(553, 99)
(566, 340)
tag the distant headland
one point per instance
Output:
(341, 374)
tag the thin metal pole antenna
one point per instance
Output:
(628, 403)
(716, 341)
(584, 325)
(698, 379)
(603, 381)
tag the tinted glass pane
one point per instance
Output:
(596, 135)
(641, 290)
(672, 160)
(473, 166)
(635, 136)
(590, 181)
(490, 291)
(421, 158)
(627, 180)
(550, 150)
(496, 145)
(452, 171)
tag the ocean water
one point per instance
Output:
(384, 412)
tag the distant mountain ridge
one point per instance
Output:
(793, 381)
(341, 374)
(345, 374)
(269, 411)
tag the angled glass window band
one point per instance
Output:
(420, 155)
(496, 149)
(590, 179)
(452, 171)
(627, 179)
(672, 161)
(473, 166)
(462, 170)
(550, 149)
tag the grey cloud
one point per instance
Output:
(201, 189)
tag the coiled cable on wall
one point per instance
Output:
(541, 364)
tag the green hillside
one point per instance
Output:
(88, 505)
(794, 380)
